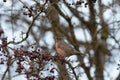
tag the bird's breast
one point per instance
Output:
(59, 50)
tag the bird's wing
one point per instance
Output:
(66, 47)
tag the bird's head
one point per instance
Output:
(60, 38)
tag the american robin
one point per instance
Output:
(64, 49)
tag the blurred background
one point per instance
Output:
(91, 26)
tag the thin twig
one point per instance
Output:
(27, 33)
(72, 70)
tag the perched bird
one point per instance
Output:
(64, 49)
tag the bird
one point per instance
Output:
(64, 49)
